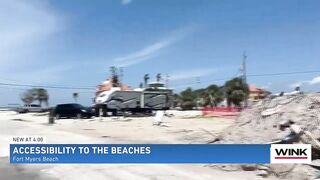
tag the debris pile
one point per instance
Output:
(273, 120)
(267, 120)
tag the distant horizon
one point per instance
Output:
(73, 101)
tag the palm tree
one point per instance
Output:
(236, 91)
(201, 97)
(158, 77)
(38, 94)
(214, 95)
(75, 96)
(27, 97)
(41, 95)
(114, 76)
(188, 99)
(146, 78)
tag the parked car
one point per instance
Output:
(30, 108)
(72, 111)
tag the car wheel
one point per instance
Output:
(79, 116)
(57, 116)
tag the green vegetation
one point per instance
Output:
(188, 99)
(158, 77)
(146, 79)
(35, 94)
(234, 91)
(114, 76)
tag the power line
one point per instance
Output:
(284, 73)
(184, 84)
(46, 86)
(13, 88)
(252, 75)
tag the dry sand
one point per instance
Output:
(181, 128)
(264, 123)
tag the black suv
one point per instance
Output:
(72, 111)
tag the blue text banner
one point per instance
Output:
(140, 153)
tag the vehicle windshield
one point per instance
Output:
(78, 106)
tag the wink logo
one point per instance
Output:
(290, 153)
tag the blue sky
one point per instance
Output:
(73, 43)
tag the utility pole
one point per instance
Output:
(121, 76)
(167, 80)
(243, 72)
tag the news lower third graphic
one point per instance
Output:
(138, 153)
(35, 150)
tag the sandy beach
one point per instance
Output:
(183, 127)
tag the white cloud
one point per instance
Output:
(152, 50)
(126, 2)
(312, 82)
(315, 81)
(143, 54)
(25, 29)
(192, 73)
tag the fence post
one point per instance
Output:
(51, 118)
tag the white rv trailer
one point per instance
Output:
(138, 100)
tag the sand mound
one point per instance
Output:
(261, 122)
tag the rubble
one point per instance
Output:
(274, 119)
(266, 121)
(263, 173)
